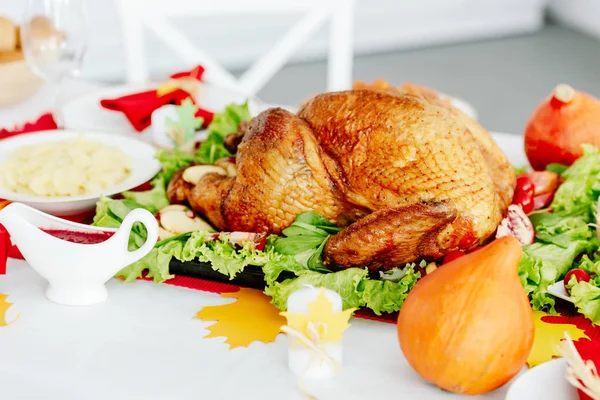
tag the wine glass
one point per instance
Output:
(53, 37)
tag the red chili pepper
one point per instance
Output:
(5, 245)
(453, 255)
(524, 194)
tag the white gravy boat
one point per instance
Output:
(76, 272)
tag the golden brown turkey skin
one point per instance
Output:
(500, 168)
(407, 176)
(391, 151)
(280, 175)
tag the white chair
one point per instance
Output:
(137, 15)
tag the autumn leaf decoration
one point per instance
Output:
(4, 306)
(582, 374)
(182, 130)
(548, 337)
(250, 318)
(321, 324)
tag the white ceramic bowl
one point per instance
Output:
(544, 382)
(144, 167)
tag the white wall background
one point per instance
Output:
(380, 25)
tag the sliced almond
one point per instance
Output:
(179, 222)
(194, 174)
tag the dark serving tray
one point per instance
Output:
(251, 277)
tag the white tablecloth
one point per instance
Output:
(41, 102)
(143, 343)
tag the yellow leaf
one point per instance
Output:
(320, 313)
(4, 306)
(548, 337)
(187, 84)
(166, 88)
(251, 318)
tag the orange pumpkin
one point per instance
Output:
(560, 125)
(468, 327)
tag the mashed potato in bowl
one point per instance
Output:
(70, 168)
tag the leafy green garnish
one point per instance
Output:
(557, 168)
(222, 125)
(565, 234)
(152, 200)
(586, 296)
(111, 213)
(208, 153)
(227, 122)
(521, 170)
(305, 239)
(353, 285)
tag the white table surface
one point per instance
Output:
(143, 343)
(41, 102)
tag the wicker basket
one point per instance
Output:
(17, 80)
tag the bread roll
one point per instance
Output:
(18, 33)
(11, 56)
(8, 35)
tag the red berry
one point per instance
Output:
(453, 255)
(579, 274)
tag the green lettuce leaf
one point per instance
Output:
(346, 283)
(388, 296)
(564, 235)
(156, 263)
(172, 161)
(305, 239)
(222, 125)
(586, 296)
(279, 263)
(556, 168)
(561, 231)
(543, 265)
(152, 200)
(578, 194)
(521, 170)
(591, 266)
(227, 122)
(222, 256)
(354, 287)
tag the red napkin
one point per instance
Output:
(138, 107)
(5, 246)
(195, 73)
(590, 351)
(43, 123)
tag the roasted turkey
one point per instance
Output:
(410, 178)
